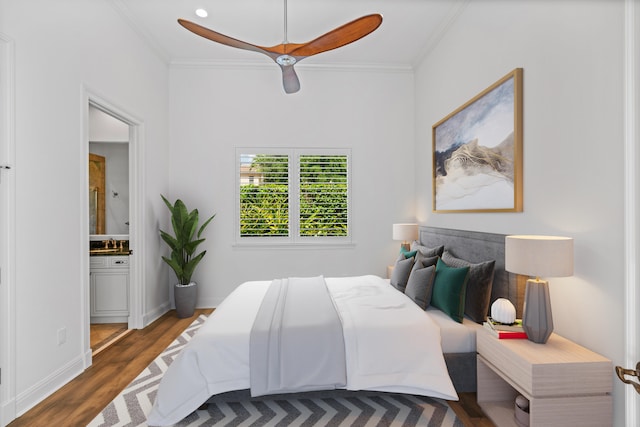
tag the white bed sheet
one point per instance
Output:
(390, 346)
(456, 337)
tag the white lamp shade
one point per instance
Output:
(405, 232)
(540, 256)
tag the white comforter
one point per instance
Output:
(390, 345)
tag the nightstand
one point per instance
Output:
(566, 384)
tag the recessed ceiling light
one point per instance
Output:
(202, 13)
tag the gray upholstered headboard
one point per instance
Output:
(475, 247)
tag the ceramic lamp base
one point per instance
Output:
(537, 321)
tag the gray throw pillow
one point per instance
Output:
(422, 261)
(420, 285)
(401, 272)
(479, 284)
(427, 252)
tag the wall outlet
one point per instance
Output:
(62, 336)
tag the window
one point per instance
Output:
(293, 195)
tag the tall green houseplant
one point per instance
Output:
(183, 244)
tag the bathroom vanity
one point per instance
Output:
(109, 289)
(109, 282)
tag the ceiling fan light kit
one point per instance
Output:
(202, 13)
(287, 54)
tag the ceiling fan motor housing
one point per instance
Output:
(285, 60)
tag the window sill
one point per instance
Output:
(291, 245)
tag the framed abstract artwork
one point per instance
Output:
(477, 152)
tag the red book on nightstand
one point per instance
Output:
(505, 334)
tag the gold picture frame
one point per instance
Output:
(477, 152)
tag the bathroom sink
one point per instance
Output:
(109, 246)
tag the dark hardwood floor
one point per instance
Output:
(78, 402)
(469, 412)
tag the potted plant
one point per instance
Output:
(184, 259)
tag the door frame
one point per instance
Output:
(631, 202)
(136, 219)
(7, 229)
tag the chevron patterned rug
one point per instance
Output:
(335, 408)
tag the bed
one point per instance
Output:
(474, 247)
(377, 356)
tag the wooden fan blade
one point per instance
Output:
(220, 38)
(290, 80)
(341, 36)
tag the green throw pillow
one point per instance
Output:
(406, 253)
(478, 294)
(449, 287)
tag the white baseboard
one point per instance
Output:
(155, 314)
(44, 388)
(159, 311)
(109, 319)
(208, 302)
(88, 358)
(8, 412)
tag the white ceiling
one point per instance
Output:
(409, 28)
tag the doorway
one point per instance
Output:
(108, 165)
(112, 296)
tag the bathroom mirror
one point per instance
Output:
(108, 174)
(97, 183)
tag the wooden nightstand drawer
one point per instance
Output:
(556, 368)
(566, 384)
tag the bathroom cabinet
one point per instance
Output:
(109, 289)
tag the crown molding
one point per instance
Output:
(128, 17)
(268, 64)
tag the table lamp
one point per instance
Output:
(406, 233)
(538, 256)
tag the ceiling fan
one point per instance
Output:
(286, 54)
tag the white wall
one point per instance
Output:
(106, 128)
(572, 55)
(60, 48)
(215, 110)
